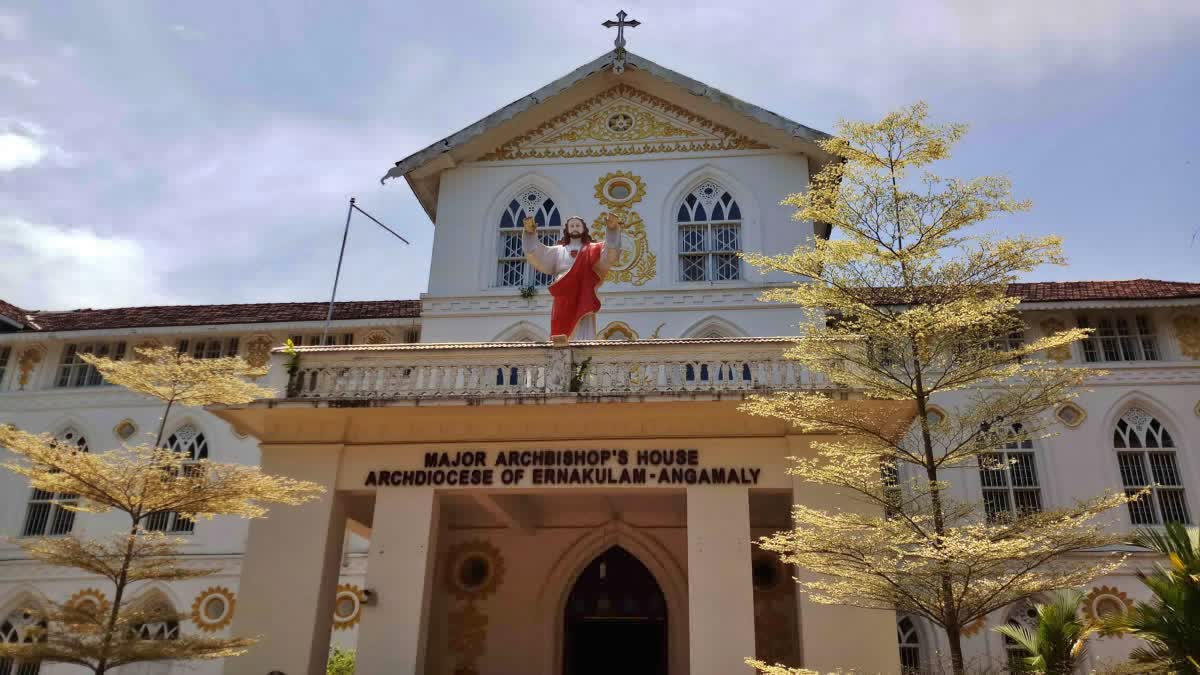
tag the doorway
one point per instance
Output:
(616, 619)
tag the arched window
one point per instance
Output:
(1010, 479)
(1024, 613)
(511, 268)
(910, 645)
(710, 234)
(21, 626)
(1145, 456)
(47, 513)
(189, 442)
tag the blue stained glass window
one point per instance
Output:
(684, 216)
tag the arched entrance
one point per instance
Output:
(615, 619)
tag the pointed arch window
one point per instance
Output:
(511, 268)
(709, 222)
(1025, 614)
(910, 646)
(21, 626)
(1009, 478)
(161, 621)
(191, 443)
(1146, 457)
(47, 513)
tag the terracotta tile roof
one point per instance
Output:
(1062, 291)
(1130, 289)
(207, 315)
(12, 313)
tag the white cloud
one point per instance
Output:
(18, 151)
(12, 26)
(876, 49)
(56, 267)
(17, 75)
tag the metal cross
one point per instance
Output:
(620, 25)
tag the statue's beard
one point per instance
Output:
(575, 236)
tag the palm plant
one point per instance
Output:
(1170, 623)
(1059, 640)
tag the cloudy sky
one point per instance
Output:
(203, 152)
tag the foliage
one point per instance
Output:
(1170, 623)
(529, 292)
(140, 481)
(1059, 641)
(917, 307)
(579, 375)
(341, 661)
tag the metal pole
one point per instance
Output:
(337, 275)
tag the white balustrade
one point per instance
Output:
(506, 369)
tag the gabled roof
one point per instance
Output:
(213, 315)
(802, 138)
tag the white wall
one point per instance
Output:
(464, 303)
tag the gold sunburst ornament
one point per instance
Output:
(90, 603)
(474, 569)
(212, 609)
(620, 189)
(347, 606)
(975, 626)
(1105, 600)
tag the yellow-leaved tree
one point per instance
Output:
(142, 482)
(916, 306)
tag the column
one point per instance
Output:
(400, 572)
(290, 570)
(834, 637)
(720, 589)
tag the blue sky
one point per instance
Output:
(203, 152)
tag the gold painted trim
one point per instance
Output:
(636, 193)
(213, 625)
(125, 422)
(615, 327)
(1187, 332)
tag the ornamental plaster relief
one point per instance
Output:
(622, 121)
(1187, 331)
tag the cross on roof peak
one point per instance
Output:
(620, 25)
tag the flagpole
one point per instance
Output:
(337, 275)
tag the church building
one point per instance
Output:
(498, 503)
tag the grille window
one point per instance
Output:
(709, 222)
(74, 372)
(1119, 337)
(1146, 458)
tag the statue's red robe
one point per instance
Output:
(575, 293)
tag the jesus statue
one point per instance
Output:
(577, 265)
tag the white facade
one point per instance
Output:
(466, 302)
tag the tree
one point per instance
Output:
(341, 661)
(1059, 640)
(1171, 622)
(916, 307)
(140, 481)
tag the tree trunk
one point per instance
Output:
(954, 637)
(162, 426)
(118, 593)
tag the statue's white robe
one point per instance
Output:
(557, 261)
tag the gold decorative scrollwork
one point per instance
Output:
(258, 350)
(29, 358)
(1062, 352)
(212, 609)
(467, 636)
(637, 263)
(1187, 328)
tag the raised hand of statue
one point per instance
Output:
(611, 221)
(530, 225)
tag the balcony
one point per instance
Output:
(716, 368)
